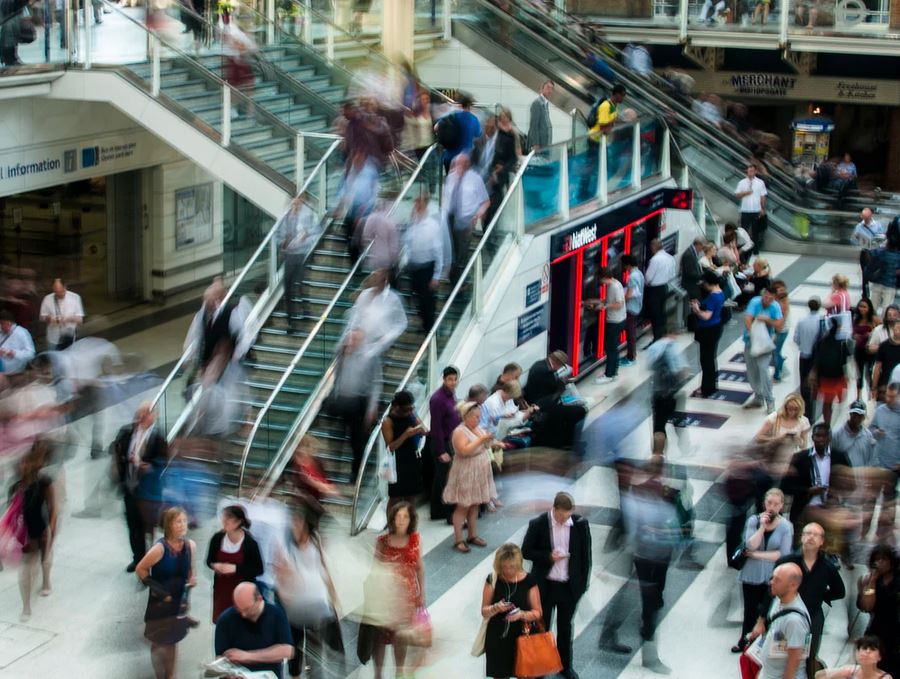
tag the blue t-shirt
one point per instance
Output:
(235, 631)
(469, 131)
(636, 285)
(712, 302)
(755, 308)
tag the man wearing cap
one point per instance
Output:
(859, 444)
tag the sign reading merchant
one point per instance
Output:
(763, 84)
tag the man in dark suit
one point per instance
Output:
(140, 454)
(558, 544)
(691, 273)
(808, 479)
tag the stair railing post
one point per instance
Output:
(299, 160)
(307, 23)
(602, 180)
(519, 214)
(323, 191)
(563, 198)
(636, 156)
(682, 20)
(273, 264)
(432, 364)
(155, 68)
(665, 161)
(226, 115)
(477, 284)
(685, 177)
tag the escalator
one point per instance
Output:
(577, 39)
(531, 56)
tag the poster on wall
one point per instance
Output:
(193, 215)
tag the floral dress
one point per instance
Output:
(405, 560)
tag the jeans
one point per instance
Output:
(809, 397)
(708, 339)
(778, 357)
(294, 268)
(652, 578)
(655, 307)
(611, 332)
(631, 335)
(758, 375)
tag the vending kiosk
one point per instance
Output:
(812, 139)
(576, 254)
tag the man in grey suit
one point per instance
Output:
(540, 134)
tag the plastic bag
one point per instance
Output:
(388, 469)
(760, 339)
(12, 531)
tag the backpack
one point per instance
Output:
(665, 381)
(449, 131)
(830, 356)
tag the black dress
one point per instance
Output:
(500, 639)
(409, 470)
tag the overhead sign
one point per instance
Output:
(798, 87)
(589, 231)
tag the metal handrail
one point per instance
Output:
(243, 273)
(432, 334)
(312, 336)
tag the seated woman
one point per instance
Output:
(758, 281)
(500, 412)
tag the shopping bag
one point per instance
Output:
(536, 653)
(389, 467)
(12, 531)
(844, 319)
(478, 644)
(760, 339)
(419, 631)
(749, 669)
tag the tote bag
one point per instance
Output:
(536, 653)
(844, 320)
(760, 340)
(478, 644)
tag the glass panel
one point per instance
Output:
(651, 148)
(869, 18)
(584, 162)
(541, 184)
(619, 153)
(429, 15)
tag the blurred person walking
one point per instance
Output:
(540, 129)
(661, 270)
(457, 130)
(886, 359)
(767, 538)
(380, 229)
(16, 345)
(233, 556)
(306, 592)
(427, 247)
(466, 203)
(885, 427)
(765, 311)
(708, 330)
(168, 572)
(879, 591)
(359, 189)
(402, 431)
(305, 474)
(418, 126)
(444, 421)
(378, 312)
(859, 443)
(558, 544)
(510, 599)
(36, 492)
(140, 454)
(400, 549)
(505, 153)
(470, 482)
(829, 373)
(212, 333)
(669, 370)
(63, 313)
(807, 333)
(298, 229)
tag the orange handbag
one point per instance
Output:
(536, 653)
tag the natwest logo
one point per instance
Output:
(580, 238)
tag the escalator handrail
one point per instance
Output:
(432, 334)
(312, 398)
(321, 166)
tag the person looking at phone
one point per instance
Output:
(402, 431)
(788, 426)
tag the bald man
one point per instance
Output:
(140, 453)
(787, 639)
(868, 234)
(254, 633)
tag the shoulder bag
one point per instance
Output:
(536, 652)
(26, 33)
(478, 645)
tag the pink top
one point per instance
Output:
(838, 302)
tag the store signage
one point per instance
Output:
(531, 324)
(799, 87)
(857, 90)
(762, 84)
(590, 231)
(532, 294)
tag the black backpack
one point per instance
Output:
(665, 382)
(449, 131)
(831, 355)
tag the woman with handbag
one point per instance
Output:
(168, 570)
(233, 556)
(767, 538)
(787, 426)
(470, 482)
(510, 599)
(402, 431)
(400, 548)
(305, 591)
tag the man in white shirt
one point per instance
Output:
(298, 231)
(638, 59)
(752, 192)
(379, 314)
(614, 303)
(380, 229)
(426, 246)
(16, 346)
(62, 311)
(465, 202)
(868, 234)
(661, 270)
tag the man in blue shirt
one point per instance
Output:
(468, 129)
(763, 309)
(253, 633)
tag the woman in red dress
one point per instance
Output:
(400, 548)
(234, 557)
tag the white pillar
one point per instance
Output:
(636, 156)
(398, 30)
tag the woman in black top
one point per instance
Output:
(39, 513)
(879, 594)
(507, 149)
(401, 431)
(234, 557)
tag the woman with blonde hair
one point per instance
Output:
(839, 300)
(168, 570)
(470, 482)
(509, 599)
(787, 426)
(767, 538)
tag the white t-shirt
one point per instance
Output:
(757, 188)
(615, 294)
(69, 305)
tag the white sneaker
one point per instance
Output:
(605, 379)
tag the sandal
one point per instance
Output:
(461, 546)
(477, 541)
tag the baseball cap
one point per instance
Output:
(858, 407)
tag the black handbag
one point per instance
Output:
(739, 558)
(25, 33)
